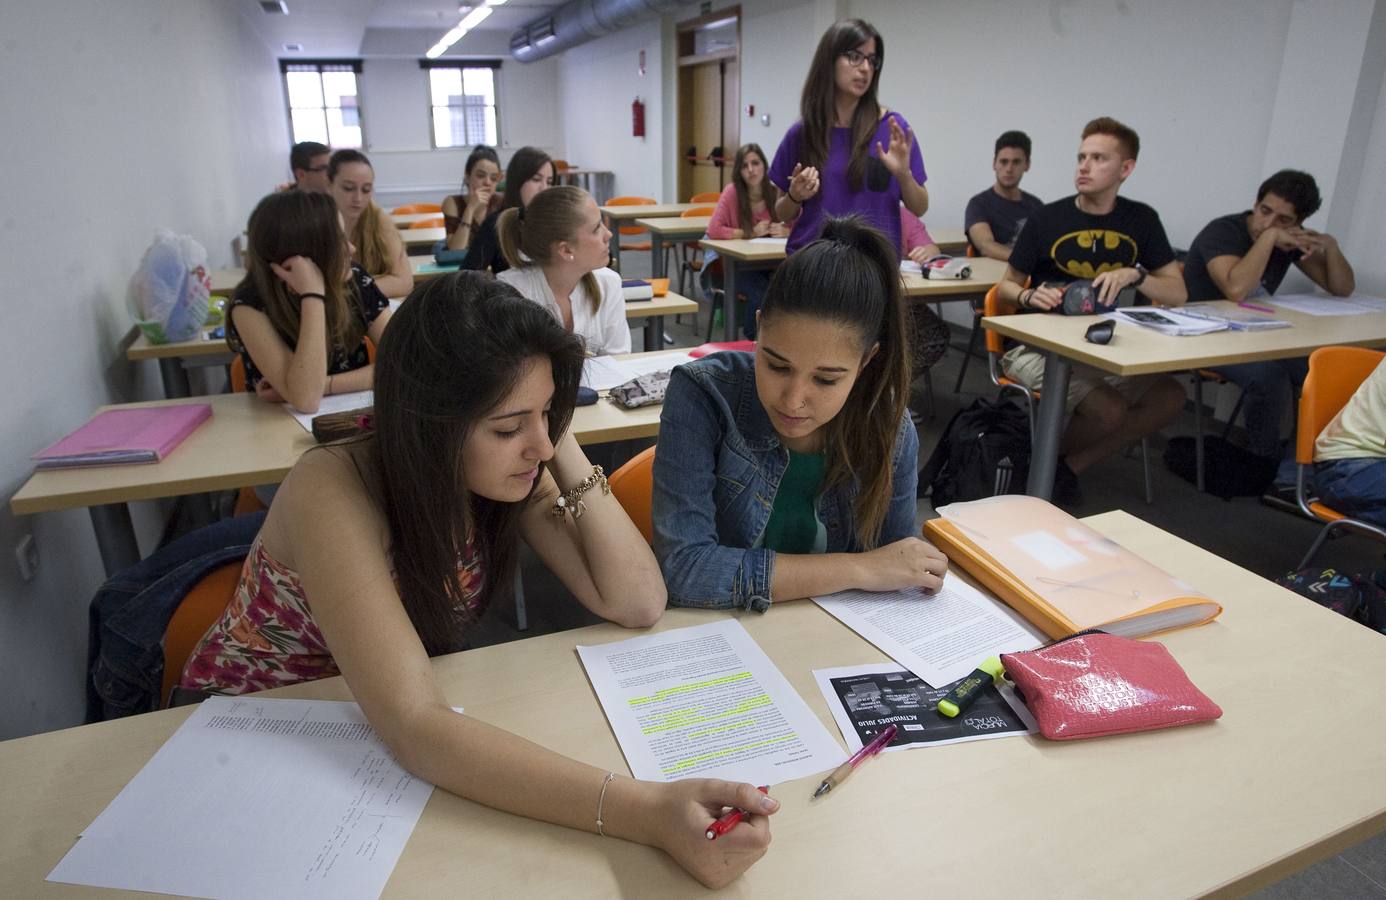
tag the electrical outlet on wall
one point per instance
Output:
(26, 556)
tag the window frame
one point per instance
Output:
(428, 64)
(286, 65)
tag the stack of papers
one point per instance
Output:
(602, 373)
(1237, 320)
(1167, 321)
(1315, 305)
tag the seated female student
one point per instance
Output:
(379, 248)
(464, 213)
(916, 244)
(558, 248)
(746, 210)
(530, 171)
(368, 569)
(299, 318)
(791, 472)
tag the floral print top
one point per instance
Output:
(267, 637)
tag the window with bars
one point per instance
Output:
(324, 105)
(462, 98)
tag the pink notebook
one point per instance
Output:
(144, 434)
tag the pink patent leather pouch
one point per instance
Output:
(1097, 684)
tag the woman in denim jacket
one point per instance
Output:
(791, 472)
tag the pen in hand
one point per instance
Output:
(728, 822)
(840, 774)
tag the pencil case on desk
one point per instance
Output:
(330, 427)
(1095, 684)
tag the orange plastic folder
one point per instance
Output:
(119, 436)
(1060, 574)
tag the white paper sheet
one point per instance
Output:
(939, 637)
(256, 798)
(1319, 305)
(602, 373)
(915, 712)
(333, 403)
(706, 702)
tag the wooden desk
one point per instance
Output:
(739, 254)
(1142, 351)
(1283, 780)
(622, 215)
(246, 442)
(404, 220)
(675, 228)
(224, 281)
(952, 241)
(416, 238)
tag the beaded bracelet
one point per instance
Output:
(572, 501)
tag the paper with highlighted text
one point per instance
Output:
(706, 702)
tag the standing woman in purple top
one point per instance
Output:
(847, 154)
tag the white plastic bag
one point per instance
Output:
(169, 292)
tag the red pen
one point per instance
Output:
(728, 821)
(1256, 306)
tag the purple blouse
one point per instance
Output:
(835, 197)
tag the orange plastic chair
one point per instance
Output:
(996, 348)
(705, 197)
(632, 229)
(411, 208)
(427, 223)
(197, 611)
(561, 165)
(1335, 374)
(633, 485)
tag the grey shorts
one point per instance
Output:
(1027, 367)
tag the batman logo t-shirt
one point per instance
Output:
(1061, 243)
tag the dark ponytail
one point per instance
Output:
(851, 276)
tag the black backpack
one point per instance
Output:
(1228, 470)
(985, 451)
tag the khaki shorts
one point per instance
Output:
(1027, 367)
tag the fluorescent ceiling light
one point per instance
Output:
(469, 21)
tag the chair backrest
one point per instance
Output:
(631, 201)
(633, 485)
(991, 306)
(411, 208)
(705, 197)
(197, 611)
(1335, 373)
(971, 251)
(561, 165)
(695, 211)
(427, 223)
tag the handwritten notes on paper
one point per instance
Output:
(257, 798)
(706, 702)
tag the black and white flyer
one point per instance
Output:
(865, 699)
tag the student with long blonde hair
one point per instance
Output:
(379, 248)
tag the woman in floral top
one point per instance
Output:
(379, 552)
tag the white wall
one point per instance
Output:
(118, 119)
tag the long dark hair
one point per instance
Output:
(523, 165)
(456, 348)
(818, 110)
(851, 276)
(527, 236)
(768, 192)
(301, 223)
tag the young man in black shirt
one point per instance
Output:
(1245, 255)
(1117, 243)
(995, 216)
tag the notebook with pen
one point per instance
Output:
(1060, 574)
(120, 436)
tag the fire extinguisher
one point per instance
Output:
(637, 115)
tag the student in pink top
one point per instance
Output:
(915, 242)
(746, 210)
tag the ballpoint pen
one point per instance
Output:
(1256, 306)
(840, 774)
(728, 822)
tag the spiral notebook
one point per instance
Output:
(144, 434)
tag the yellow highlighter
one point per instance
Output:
(970, 688)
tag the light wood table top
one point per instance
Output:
(676, 226)
(247, 442)
(952, 241)
(1139, 351)
(224, 281)
(1291, 774)
(648, 211)
(985, 274)
(422, 237)
(747, 250)
(404, 220)
(143, 348)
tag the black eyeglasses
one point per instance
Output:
(855, 58)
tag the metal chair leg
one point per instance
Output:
(521, 616)
(1145, 464)
(972, 341)
(1198, 429)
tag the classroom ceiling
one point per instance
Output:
(337, 28)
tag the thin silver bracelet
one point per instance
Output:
(601, 800)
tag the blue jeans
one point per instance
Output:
(1354, 487)
(1269, 388)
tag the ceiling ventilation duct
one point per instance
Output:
(579, 21)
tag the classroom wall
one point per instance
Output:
(119, 118)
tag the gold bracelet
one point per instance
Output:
(572, 501)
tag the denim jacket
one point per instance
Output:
(716, 472)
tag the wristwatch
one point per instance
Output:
(1140, 278)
